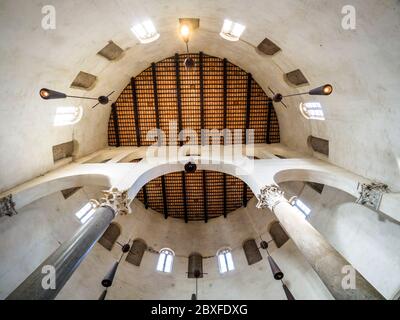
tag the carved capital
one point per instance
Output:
(118, 200)
(371, 194)
(269, 197)
(7, 206)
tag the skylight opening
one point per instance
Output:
(165, 260)
(298, 204)
(232, 31)
(85, 213)
(67, 116)
(225, 261)
(312, 110)
(146, 31)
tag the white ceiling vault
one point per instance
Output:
(362, 115)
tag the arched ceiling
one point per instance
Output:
(214, 95)
(362, 64)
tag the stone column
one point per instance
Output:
(63, 262)
(323, 258)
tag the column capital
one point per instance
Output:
(7, 206)
(116, 199)
(270, 196)
(371, 194)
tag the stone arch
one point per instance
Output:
(329, 178)
(27, 195)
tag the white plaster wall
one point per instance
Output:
(31, 236)
(363, 65)
(368, 240)
(144, 282)
(38, 229)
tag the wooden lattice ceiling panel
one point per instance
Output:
(195, 196)
(215, 94)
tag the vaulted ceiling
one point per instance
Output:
(362, 115)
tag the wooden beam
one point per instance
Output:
(155, 93)
(184, 194)
(244, 195)
(135, 111)
(145, 197)
(225, 198)
(164, 194)
(225, 95)
(116, 126)
(201, 75)
(178, 94)
(205, 200)
(248, 103)
(225, 88)
(270, 105)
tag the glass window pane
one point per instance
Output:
(160, 264)
(168, 263)
(222, 263)
(87, 216)
(85, 209)
(229, 259)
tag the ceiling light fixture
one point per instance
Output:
(145, 32)
(190, 167)
(185, 34)
(231, 31)
(48, 94)
(324, 90)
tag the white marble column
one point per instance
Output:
(323, 258)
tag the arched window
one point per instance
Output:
(165, 260)
(110, 236)
(67, 115)
(225, 261)
(312, 110)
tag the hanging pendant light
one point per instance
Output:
(289, 295)
(109, 278)
(103, 295)
(276, 271)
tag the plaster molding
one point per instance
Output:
(371, 194)
(116, 199)
(270, 196)
(7, 206)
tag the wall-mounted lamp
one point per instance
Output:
(324, 90)
(48, 94)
